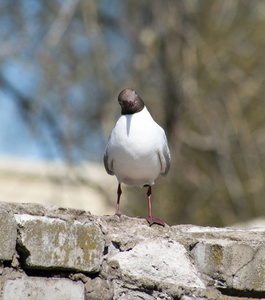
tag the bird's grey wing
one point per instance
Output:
(165, 158)
(108, 163)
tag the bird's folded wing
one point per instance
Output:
(165, 158)
(108, 163)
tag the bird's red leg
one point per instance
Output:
(149, 202)
(119, 191)
(150, 219)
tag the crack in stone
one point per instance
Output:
(254, 255)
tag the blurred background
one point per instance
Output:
(199, 67)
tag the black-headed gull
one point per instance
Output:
(137, 151)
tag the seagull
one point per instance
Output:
(137, 151)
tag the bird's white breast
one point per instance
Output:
(134, 145)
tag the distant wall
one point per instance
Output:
(52, 253)
(85, 186)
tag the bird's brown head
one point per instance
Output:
(130, 102)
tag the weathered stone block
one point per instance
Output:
(32, 288)
(99, 288)
(130, 292)
(238, 265)
(163, 262)
(56, 244)
(251, 276)
(8, 235)
(209, 258)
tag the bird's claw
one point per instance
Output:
(152, 221)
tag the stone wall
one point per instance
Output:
(52, 253)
